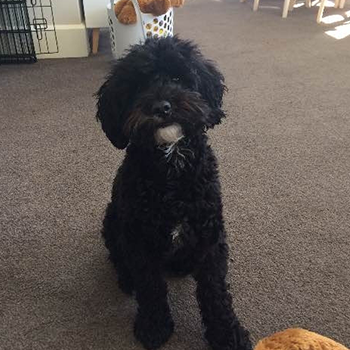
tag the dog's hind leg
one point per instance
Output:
(125, 281)
(223, 330)
(116, 252)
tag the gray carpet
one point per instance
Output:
(284, 154)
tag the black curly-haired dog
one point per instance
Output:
(166, 212)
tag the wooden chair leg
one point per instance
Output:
(308, 3)
(336, 4)
(320, 11)
(95, 40)
(285, 8)
(242, 0)
(291, 5)
(341, 4)
(256, 5)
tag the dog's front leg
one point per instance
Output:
(223, 330)
(222, 327)
(153, 324)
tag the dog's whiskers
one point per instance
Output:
(170, 149)
(178, 155)
(188, 151)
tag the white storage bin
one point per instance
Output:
(146, 26)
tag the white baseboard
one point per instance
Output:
(72, 41)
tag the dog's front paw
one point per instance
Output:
(153, 331)
(237, 339)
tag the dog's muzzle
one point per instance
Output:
(169, 134)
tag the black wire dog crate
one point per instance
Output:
(27, 29)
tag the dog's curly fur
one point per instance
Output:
(165, 188)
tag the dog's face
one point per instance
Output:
(160, 92)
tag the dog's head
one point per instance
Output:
(159, 92)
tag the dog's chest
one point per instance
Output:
(178, 195)
(176, 236)
(176, 159)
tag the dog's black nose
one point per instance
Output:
(162, 107)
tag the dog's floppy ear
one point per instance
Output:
(212, 88)
(209, 80)
(113, 103)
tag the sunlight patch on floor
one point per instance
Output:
(335, 18)
(328, 4)
(340, 32)
(269, 7)
(313, 3)
(332, 19)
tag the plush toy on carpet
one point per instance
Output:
(125, 12)
(298, 339)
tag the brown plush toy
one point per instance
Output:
(125, 12)
(298, 339)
